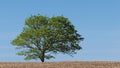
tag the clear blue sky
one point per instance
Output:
(98, 21)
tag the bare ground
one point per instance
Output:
(60, 65)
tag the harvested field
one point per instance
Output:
(60, 65)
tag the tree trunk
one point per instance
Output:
(43, 56)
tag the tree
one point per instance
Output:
(43, 36)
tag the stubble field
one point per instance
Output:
(60, 65)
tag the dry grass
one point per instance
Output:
(60, 65)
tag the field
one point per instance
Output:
(60, 65)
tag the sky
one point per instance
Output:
(98, 21)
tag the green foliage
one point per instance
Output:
(42, 36)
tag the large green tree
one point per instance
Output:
(42, 37)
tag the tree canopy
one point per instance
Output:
(43, 36)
